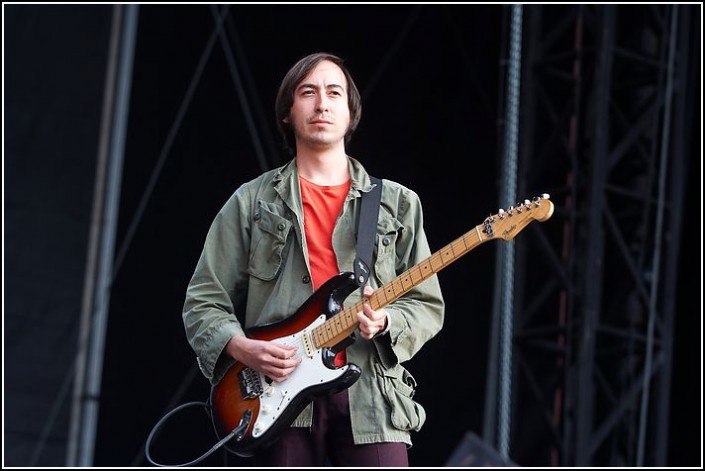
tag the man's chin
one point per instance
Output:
(323, 141)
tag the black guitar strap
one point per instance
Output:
(366, 230)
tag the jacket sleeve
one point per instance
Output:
(417, 316)
(217, 287)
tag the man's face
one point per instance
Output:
(320, 115)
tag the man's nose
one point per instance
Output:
(322, 104)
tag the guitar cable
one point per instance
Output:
(161, 423)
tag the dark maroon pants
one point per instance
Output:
(329, 442)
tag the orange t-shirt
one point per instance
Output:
(322, 206)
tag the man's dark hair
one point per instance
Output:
(285, 95)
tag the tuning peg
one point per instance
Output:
(501, 214)
(545, 196)
(488, 227)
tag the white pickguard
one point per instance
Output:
(311, 371)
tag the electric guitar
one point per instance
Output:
(250, 410)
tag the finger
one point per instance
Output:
(366, 327)
(279, 373)
(368, 291)
(374, 316)
(289, 362)
(289, 348)
(278, 377)
(284, 351)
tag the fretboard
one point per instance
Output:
(341, 325)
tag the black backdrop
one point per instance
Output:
(429, 77)
(429, 122)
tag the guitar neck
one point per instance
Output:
(340, 326)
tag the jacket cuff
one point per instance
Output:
(383, 344)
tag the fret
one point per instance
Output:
(436, 259)
(416, 271)
(426, 269)
(378, 302)
(335, 325)
(465, 241)
(458, 247)
(403, 280)
(398, 288)
(320, 334)
(386, 292)
(451, 249)
(349, 318)
(392, 290)
(447, 254)
(329, 332)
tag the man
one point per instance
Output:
(283, 235)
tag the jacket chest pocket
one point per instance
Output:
(388, 231)
(269, 235)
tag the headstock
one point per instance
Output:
(506, 224)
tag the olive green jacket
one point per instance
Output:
(254, 267)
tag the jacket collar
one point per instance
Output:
(286, 179)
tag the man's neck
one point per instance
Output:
(323, 168)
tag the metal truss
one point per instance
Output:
(604, 131)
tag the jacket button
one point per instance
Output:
(386, 241)
(257, 216)
(281, 226)
(306, 279)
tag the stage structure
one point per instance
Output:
(606, 106)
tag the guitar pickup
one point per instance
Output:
(307, 343)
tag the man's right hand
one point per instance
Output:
(268, 357)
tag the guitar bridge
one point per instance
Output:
(250, 384)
